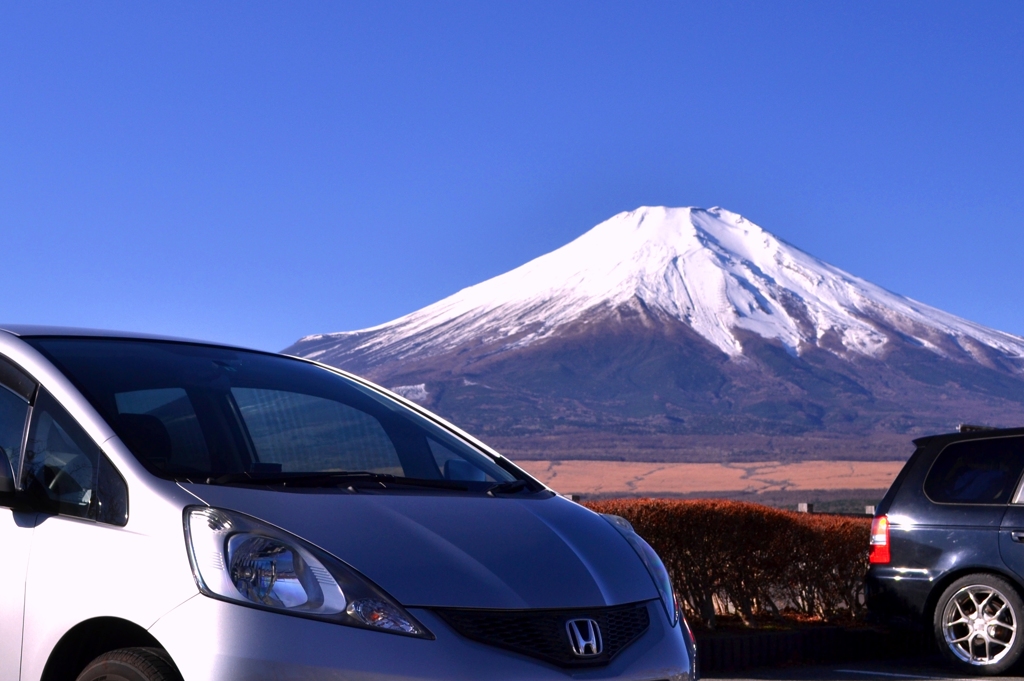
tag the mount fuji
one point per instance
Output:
(688, 334)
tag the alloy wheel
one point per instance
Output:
(979, 625)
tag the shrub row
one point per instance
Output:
(757, 562)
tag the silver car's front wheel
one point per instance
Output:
(131, 664)
(977, 624)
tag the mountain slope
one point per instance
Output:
(664, 331)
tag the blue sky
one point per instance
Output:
(255, 172)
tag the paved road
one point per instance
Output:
(911, 669)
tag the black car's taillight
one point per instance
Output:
(879, 541)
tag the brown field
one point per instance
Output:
(624, 478)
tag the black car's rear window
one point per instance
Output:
(983, 471)
(197, 412)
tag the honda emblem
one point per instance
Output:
(585, 637)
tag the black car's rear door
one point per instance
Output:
(969, 486)
(1011, 534)
(988, 469)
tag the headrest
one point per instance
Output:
(146, 435)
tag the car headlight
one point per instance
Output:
(238, 558)
(650, 558)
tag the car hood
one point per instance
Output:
(444, 550)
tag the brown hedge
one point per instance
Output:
(729, 557)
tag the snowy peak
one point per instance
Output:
(712, 269)
(669, 334)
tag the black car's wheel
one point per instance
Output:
(131, 664)
(978, 622)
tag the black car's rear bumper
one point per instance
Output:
(896, 596)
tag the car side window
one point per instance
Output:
(976, 471)
(16, 393)
(66, 471)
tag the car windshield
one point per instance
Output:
(217, 415)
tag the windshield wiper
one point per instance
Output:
(333, 479)
(509, 487)
(277, 477)
(360, 480)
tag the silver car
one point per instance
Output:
(181, 510)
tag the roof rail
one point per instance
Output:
(972, 428)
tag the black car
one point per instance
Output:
(947, 547)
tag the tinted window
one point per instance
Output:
(17, 381)
(976, 471)
(16, 390)
(13, 410)
(66, 471)
(199, 413)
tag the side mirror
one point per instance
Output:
(6, 474)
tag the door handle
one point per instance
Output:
(1017, 536)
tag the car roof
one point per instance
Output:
(38, 331)
(969, 435)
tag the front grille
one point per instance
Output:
(542, 633)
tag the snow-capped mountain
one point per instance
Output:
(711, 269)
(711, 294)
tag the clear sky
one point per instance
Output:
(256, 172)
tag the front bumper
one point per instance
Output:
(211, 640)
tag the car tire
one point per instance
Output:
(979, 624)
(131, 664)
